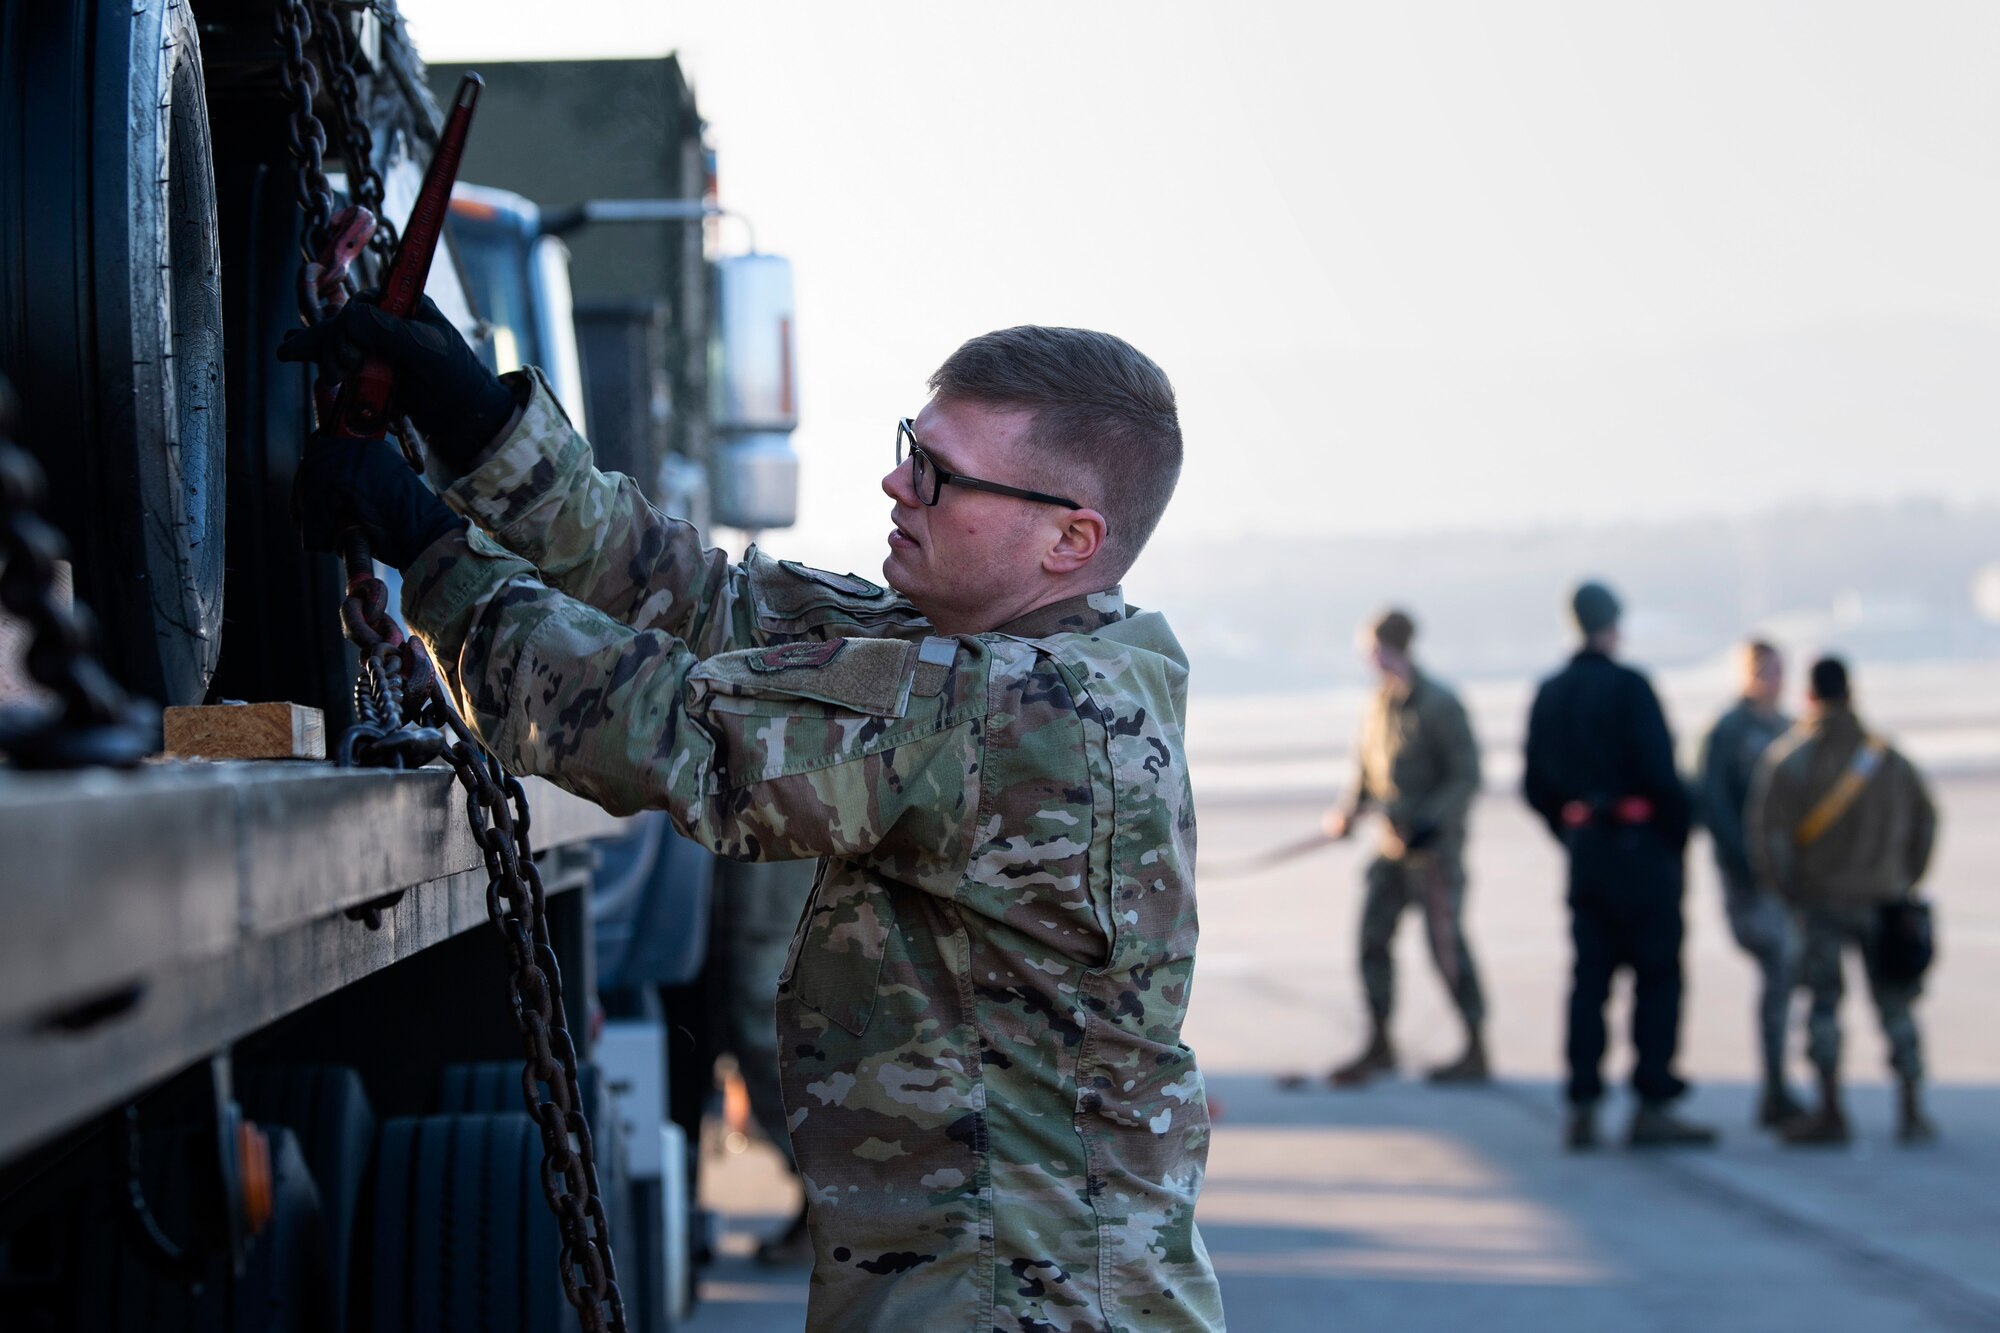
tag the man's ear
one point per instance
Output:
(1079, 539)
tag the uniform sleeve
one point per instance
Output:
(864, 748)
(1770, 820)
(1358, 797)
(1923, 826)
(594, 536)
(1459, 755)
(1724, 788)
(1660, 781)
(1540, 782)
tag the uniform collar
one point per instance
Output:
(1833, 720)
(1082, 614)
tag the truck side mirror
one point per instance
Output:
(753, 391)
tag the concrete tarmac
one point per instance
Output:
(1404, 1207)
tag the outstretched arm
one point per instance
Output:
(819, 747)
(594, 536)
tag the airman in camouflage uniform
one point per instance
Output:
(996, 1120)
(1418, 762)
(1760, 920)
(1838, 865)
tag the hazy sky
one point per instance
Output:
(1409, 266)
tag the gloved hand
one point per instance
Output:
(457, 403)
(366, 484)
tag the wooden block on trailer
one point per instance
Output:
(246, 731)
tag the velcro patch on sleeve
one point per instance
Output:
(861, 675)
(808, 655)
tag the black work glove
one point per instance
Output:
(366, 484)
(457, 403)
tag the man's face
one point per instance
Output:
(1389, 663)
(973, 555)
(1763, 678)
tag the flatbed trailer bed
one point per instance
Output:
(150, 919)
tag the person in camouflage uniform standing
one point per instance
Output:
(996, 1120)
(1760, 920)
(1841, 824)
(1420, 764)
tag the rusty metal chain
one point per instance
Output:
(364, 181)
(401, 708)
(95, 721)
(496, 806)
(396, 677)
(305, 139)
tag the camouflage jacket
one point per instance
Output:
(997, 1124)
(1729, 756)
(1417, 759)
(1879, 847)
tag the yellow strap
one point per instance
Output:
(1842, 794)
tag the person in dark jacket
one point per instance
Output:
(1760, 920)
(1840, 824)
(1600, 771)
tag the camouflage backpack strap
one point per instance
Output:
(1840, 797)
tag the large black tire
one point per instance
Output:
(495, 1086)
(111, 317)
(327, 1108)
(463, 1242)
(281, 638)
(284, 1286)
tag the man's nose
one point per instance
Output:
(896, 485)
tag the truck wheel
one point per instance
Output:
(463, 1241)
(326, 1107)
(494, 1086)
(281, 638)
(284, 1286)
(111, 317)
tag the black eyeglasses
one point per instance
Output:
(930, 479)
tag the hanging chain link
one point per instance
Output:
(402, 712)
(95, 721)
(364, 181)
(497, 809)
(305, 139)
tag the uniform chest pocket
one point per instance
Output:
(835, 966)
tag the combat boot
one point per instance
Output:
(1778, 1107)
(1913, 1127)
(1581, 1136)
(1654, 1125)
(1377, 1058)
(1824, 1128)
(1466, 1071)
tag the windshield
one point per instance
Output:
(494, 258)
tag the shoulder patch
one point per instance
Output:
(806, 655)
(848, 585)
(934, 660)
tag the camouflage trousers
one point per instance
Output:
(1764, 929)
(1433, 881)
(1827, 931)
